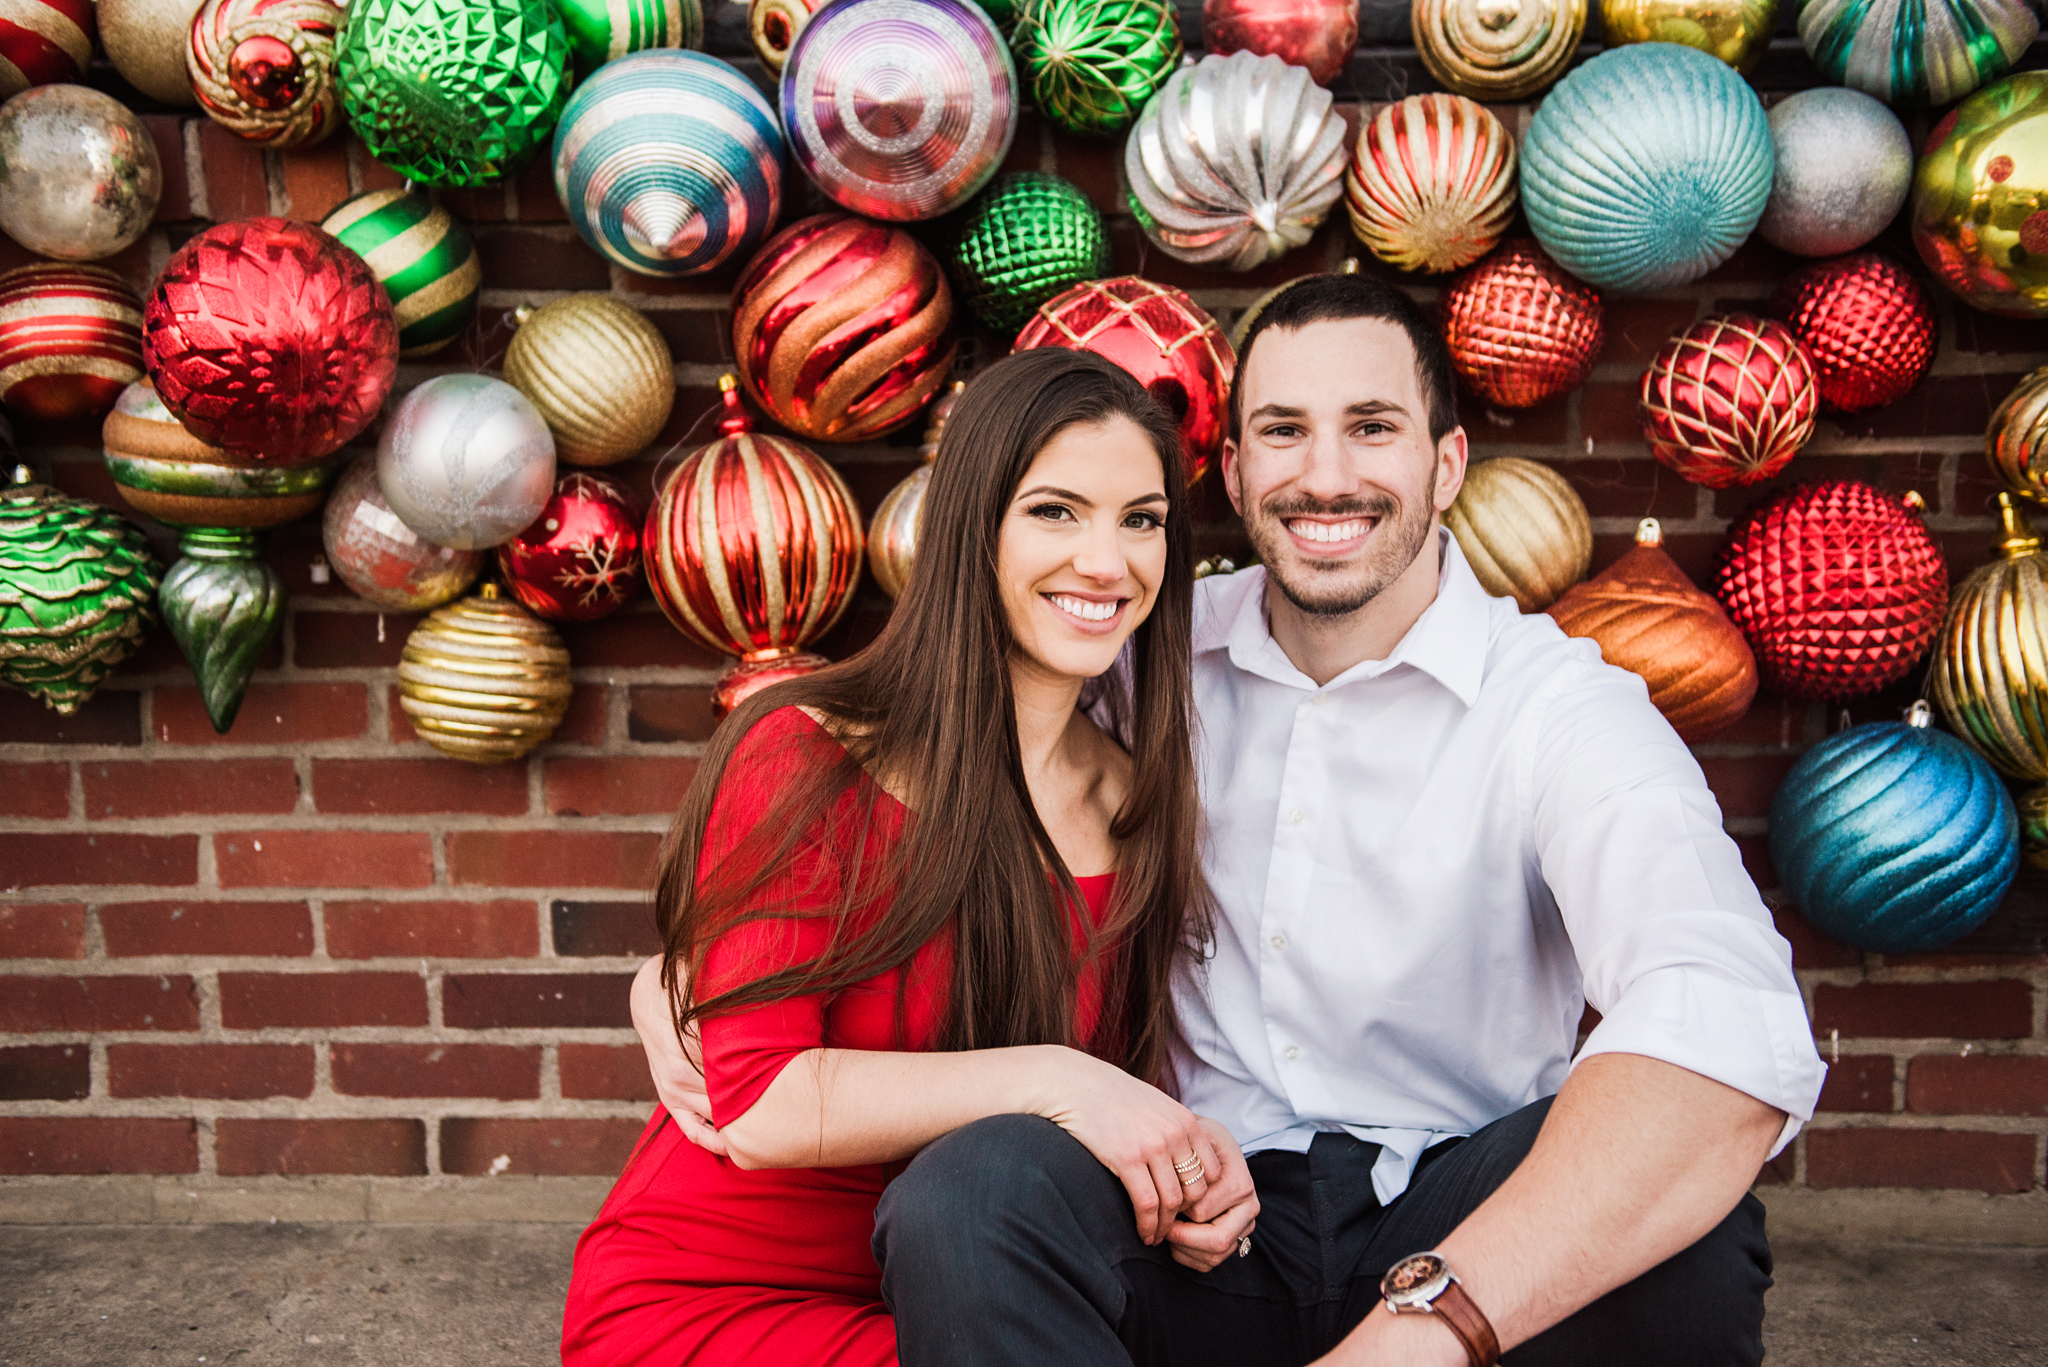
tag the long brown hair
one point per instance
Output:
(929, 705)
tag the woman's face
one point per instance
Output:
(1083, 547)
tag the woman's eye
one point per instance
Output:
(1050, 512)
(1145, 522)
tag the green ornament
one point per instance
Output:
(1094, 63)
(1002, 12)
(421, 256)
(77, 592)
(1023, 240)
(224, 607)
(600, 30)
(453, 92)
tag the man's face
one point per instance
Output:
(1334, 473)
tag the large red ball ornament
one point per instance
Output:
(1160, 336)
(1867, 324)
(1317, 34)
(1837, 586)
(269, 338)
(70, 340)
(1729, 401)
(580, 560)
(1520, 330)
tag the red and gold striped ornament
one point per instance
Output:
(264, 69)
(70, 340)
(44, 42)
(1729, 401)
(753, 548)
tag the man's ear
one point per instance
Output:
(1229, 472)
(1452, 455)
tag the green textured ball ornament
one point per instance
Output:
(1093, 63)
(600, 30)
(422, 258)
(1023, 240)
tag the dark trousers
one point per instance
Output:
(1007, 1242)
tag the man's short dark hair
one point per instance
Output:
(1334, 298)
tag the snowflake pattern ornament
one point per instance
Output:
(580, 560)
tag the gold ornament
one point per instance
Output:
(599, 373)
(1524, 529)
(774, 24)
(1497, 50)
(2016, 442)
(483, 679)
(1736, 31)
(892, 535)
(1431, 183)
(146, 41)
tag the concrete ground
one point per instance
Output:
(491, 1296)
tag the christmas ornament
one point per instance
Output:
(43, 42)
(1980, 198)
(1649, 619)
(466, 461)
(669, 162)
(1736, 31)
(753, 548)
(423, 259)
(1242, 328)
(1646, 167)
(1431, 183)
(599, 374)
(1866, 324)
(892, 534)
(1729, 401)
(146, 41)
(1235, 161)
(1926, 52)
(2013, 443)
(899, 109)
(1499, 52)
(224, 607)
(79, 175)
(77, 592)
(1524, 530)
(453, 92)
(484, 680)
(1837, 586)
(1092, 64)
(70, 340)
(1318, 35)
(1161, 337)
(1023, 240)
(1520, 330)
(774, 25)
(842, 328)
(382, 559)
(1894, 837)
(602, 30)
(166, 473)
(270, 339)
(580, 560)
(1843, 166)
(264, 69)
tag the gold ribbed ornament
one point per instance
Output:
(2016, 442)
(599, 373)
(483, 679)
(1497, 50)
(1524, 530)
(892, 535)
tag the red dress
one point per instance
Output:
(692, 1259)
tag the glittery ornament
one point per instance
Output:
(1843, 166)
(1729, 401)
(899, 109)
(774, 25)
(1431, 183)
(597, 371)
(70, 340)
(1520, 330)
(453, 92)
(892, 533)
(423, 259)
(1867, 325)
(264, 69)
(1523, 529)
(379, 557)
(1915, 53)
(843, 328)
(1023, 240)
(43, 42)
(601, 31)
(580, 560)
(1649, 619)
(466, 461)
(165, 472)
(484, 680)
(224, 607)
(79, 174)
(1500, 51)
(269, 338)
(1092, 64)
(1737, 31)
(1318, 35)
(1980, 198)
(2016, 441)
(1837, 586)
(1163, 338)
(145, 40)
(1235, 161)
(670, 163)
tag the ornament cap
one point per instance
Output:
(522, 314)
(1914, 501)
(489, 592)
(220, 543)
(1919, 716)
(1649, 532)
(1350, 266)
(21, 474)
(735, 419)
(2018, 537)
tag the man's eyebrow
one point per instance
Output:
(1364, 408)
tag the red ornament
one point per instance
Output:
(1521, 331)
(70, 340)
(1317, 34)
(580, 560)
(44, 42)
(270, 339)
(843, 328)
(730, 579)
(1837, 586)
(265, 68)
(1867, 324)
(1728, 401)
(1157, 334)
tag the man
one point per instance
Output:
(1432, 825)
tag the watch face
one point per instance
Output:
(1414, 1279)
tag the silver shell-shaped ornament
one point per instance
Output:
(1235, 161)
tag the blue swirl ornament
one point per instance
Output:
(1915, 53)
(1647, 167)
(670, 163)
(1895, 837)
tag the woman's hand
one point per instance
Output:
(1207, 1234)
(675, 1063)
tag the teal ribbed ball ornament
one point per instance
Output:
(1894, 837)
(1647, 167)
(1023, 240)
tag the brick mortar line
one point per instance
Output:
(1896, 1121)
(337, 1106)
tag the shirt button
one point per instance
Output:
(1296, 817)
(1291, 1052)
(1279, 942)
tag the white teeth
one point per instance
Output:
(1083, 609)
(1329, 531)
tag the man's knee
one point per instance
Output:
(964, 1185)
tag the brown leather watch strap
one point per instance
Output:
(1465, 1319)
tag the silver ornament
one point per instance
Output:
(79, 175)
(466, 461)
(1235, 161)
(1844, 168)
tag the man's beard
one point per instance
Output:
(1325, 590)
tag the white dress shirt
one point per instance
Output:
(1426, 867)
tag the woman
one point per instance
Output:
(923, 887)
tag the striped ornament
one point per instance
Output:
(422, 258)
(166, 473)
(43, 42)
(70, 340)
(1431, 183)
(600, 30)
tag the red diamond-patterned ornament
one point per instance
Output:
(1521, 331)
(1867, 324)
(1728, 401)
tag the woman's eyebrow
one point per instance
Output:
(1055, 492)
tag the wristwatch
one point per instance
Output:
(1423, 1284)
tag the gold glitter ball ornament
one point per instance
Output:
(1497, 50)
(146, 40)
(1431, 183)
(1523, 529)
(599, 373)
(483, 679)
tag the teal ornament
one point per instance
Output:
(224, 607)
(1894, 837)
(1915, 53)
(1646, 167)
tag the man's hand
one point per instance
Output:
(678, 1073)
(1207, 1234)
(1385, 1339)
